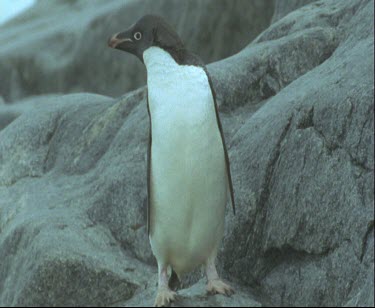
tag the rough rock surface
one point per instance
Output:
(71, 55)
(297, 110)
(283, 8)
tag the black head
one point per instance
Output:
(150, 30)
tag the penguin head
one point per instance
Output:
(150, 30)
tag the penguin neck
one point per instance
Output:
(157, 59)
(160, 56)
(174, 86)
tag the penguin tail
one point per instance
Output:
(174, 282)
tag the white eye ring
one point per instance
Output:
(137, 35)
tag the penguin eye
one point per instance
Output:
(137, 35)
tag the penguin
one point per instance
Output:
(188, 170)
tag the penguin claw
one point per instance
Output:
(164, 297)
(217, 286)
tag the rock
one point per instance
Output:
(283, 8)
(297, 110)
(9, 112)
(6, 118)
(51, 252)
(365, 296)
(306, 213)
(258, 73)
(66, 51)
(362, 294)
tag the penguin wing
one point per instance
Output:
(149, 172)
(227, 164)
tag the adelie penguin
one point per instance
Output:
(188, 174)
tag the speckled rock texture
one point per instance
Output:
(297, 108)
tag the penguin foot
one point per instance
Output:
(164, 297)
(217, 286)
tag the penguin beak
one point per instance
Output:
(124, 41)
(120, 41)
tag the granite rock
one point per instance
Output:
(297, 110)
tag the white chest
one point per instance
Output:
(188, 175)
(179, 95)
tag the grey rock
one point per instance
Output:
(303, 174)
(260, 71)
(65, 49)
(362, 293)
(283, 8)
(297, 109)
(365, 296)
(51, 252)
(6, 118)
(325, 14)
(9, 112)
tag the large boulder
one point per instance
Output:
(303, 163)
(61, 46)
(297, 110)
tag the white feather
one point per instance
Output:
(188, 175)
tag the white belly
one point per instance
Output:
(188, 174)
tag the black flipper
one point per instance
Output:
(224, 145)
(149, 172)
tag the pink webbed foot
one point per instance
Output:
(164, 297)
(217, 286)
